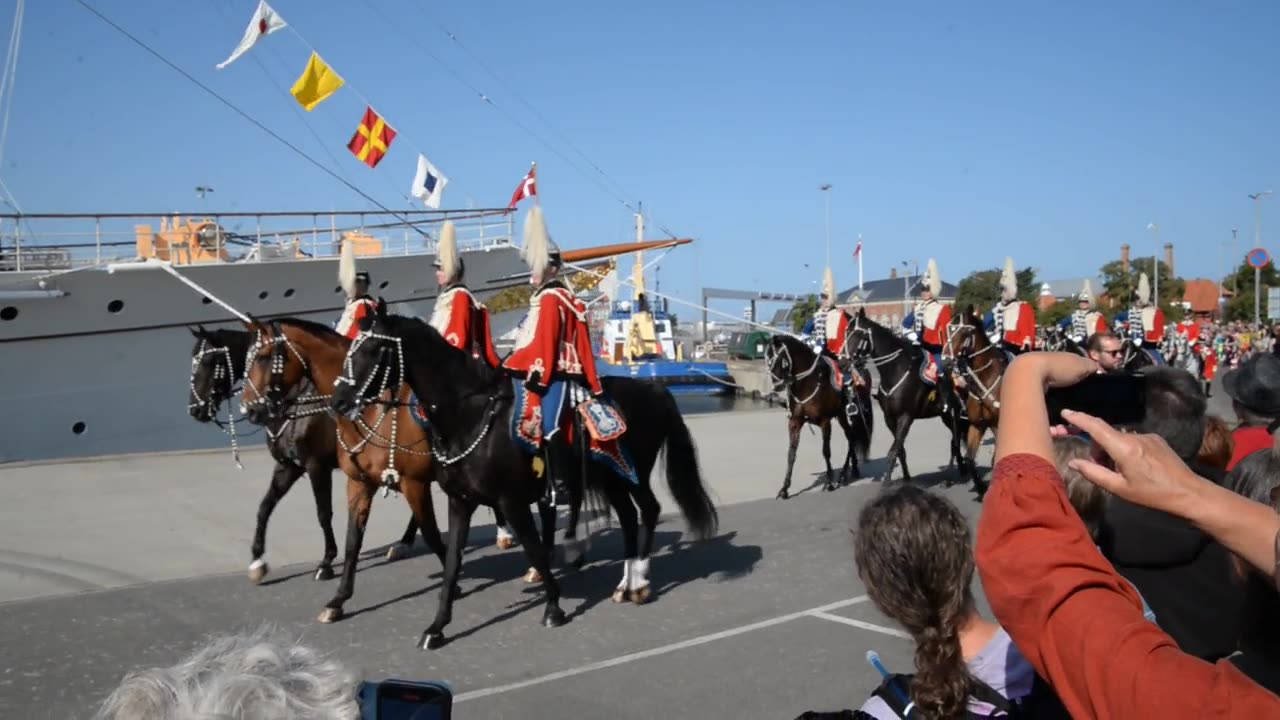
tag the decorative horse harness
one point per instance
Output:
(964, 362)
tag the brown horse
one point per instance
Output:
(812, 397)
(376, 448)
(979, 367)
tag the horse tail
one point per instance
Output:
(684, 479)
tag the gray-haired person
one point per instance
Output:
(259, 675)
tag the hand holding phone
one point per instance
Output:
(1118, 398)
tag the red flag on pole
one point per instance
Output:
(528, 187)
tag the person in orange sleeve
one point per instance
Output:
(1012, 321)
(552, 352)
(356, 285)
(459, 317)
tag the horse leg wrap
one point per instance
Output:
(639, 577)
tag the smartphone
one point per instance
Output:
(1118, 398)
(405, 700)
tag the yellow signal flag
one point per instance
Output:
(317, 82)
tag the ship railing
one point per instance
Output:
(61, 242)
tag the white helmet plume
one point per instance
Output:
(536, 251)
(932, 279)
(1086, 292)
(829, 286)
(447, 251)
(347, 267)
(1008, 281)
(1144, 289)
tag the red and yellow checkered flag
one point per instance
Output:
(372, 138)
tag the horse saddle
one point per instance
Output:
(601, 420)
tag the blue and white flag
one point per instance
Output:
(428, 184)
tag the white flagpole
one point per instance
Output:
(860, 251)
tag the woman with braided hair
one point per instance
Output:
(914, 553)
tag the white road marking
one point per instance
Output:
(859, 624)
(652, 652)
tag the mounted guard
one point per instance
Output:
(1144, 321)
(553, 356)
(827, 329)
(460, 318)
(1012, 322)
(356, 286)
(1086, 320)
(929, 323)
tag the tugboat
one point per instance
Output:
(638, 341)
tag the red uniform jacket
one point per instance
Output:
(464, 323)
(1153, 324)
(349, 323)
(932, 319)
(837, 328)
(1019, 324)
(554, 343)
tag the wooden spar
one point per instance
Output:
(603, 251)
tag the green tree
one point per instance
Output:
(1054, 314)
(1121, 286)
(1240, 307)
(802, 311)
(981, 288)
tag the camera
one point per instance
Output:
(1119, 398)
(405, 700)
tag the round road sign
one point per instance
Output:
(1258, 258)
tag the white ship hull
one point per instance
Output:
(98, 363)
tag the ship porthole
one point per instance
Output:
(383, 285)
(288, 293)
(78, 427)
(8, 313)
(263, 295)
(206, 301)
(115, 306)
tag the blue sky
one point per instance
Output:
(1050, 131)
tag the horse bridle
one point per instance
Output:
(276, 397)
(222, 371)
(863, 349)
(392, 389)
(776, 351)
(964, 362)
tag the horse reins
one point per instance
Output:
(966, 368)
(771, 356)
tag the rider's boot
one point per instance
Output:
(555, 456)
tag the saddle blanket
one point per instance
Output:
(604, 428)
(418, 413)
(930, 367)
(837, 377)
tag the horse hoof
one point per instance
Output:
(324, 572)
(533, 576)
(506, 543)
(553, 618)
(330, 615)
(640, 596)
(783, 494)
(258, 570)
(431, 641)
(828, 488)
(397, 551)
(619, 595)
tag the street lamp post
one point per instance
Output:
(1257, 242)
(826, 193)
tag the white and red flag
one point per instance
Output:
(528, 187)
(264, 22)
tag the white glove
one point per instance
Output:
(912, 336)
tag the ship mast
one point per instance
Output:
(638, 274)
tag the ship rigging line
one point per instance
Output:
(247, 116)
(485, 98)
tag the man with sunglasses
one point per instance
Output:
(1104, 348)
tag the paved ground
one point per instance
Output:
(112, 565)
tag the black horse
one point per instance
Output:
(904, 397)
(812, 397)
(1135, 357)
(469, 407)
(305, 443)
